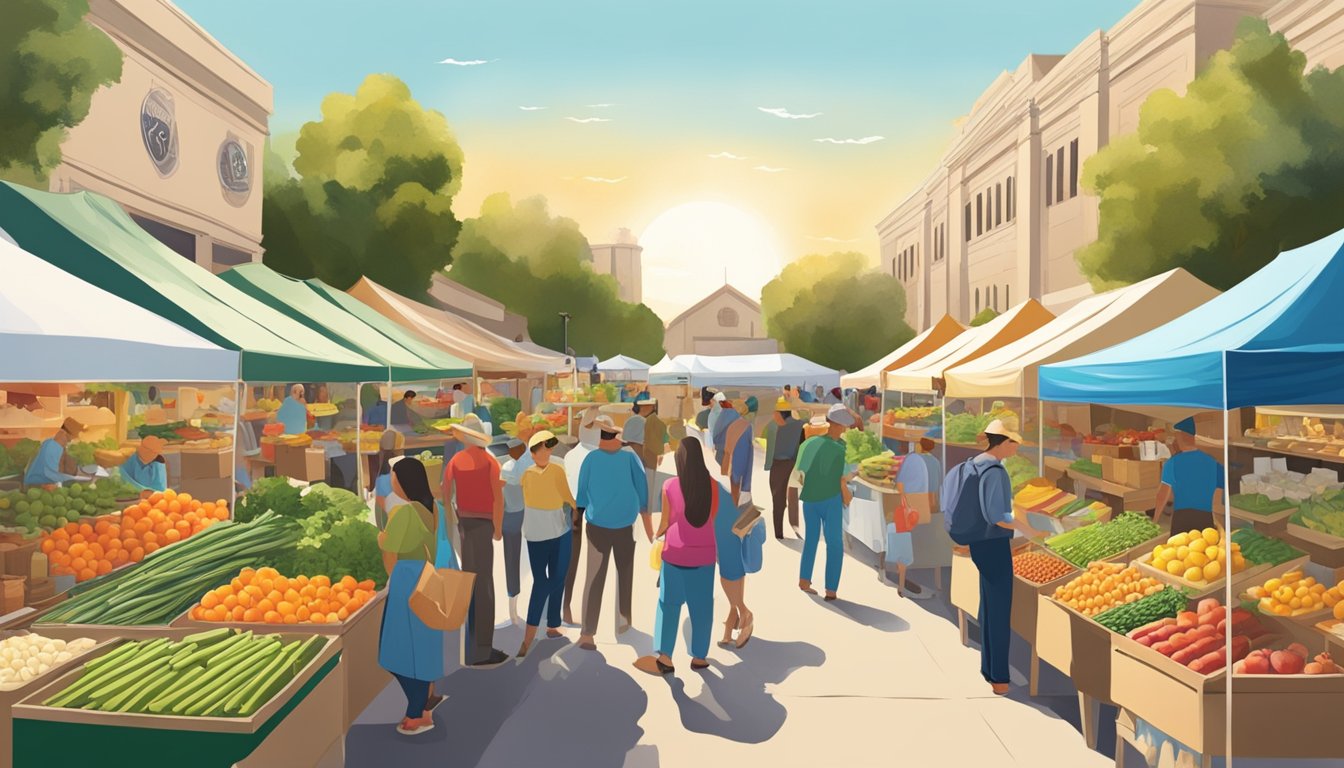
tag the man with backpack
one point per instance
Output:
(977, 503)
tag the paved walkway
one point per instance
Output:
(870, 680)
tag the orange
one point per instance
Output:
(291, 618)
(78, 563)
(367, 585)
(323, 592)
(348, 581)
(62, 533)
(245, 599)
(231, 602)
(333, 618)
(170, 494)
(239, 612)
(62, 545)
(292, 596)
(343, 614)
(208, 507)
(272, 617)
(209, 600)
(138, 554)
(308, 591)
(78, 548)
(86, 574)
(172, 535)
(150, 547)
(253, 615)
(221, 503)
(318, 618)
(322, 581)
(198, 613)
(285, 608)
(85, 529)
(48, 545)
(182, 526)
(105, 567)
(254, 591)
(149, 537)
(303, 613)
(265, 604)
(114, 531)
(184, 498)
(221, 513)
(191, 518)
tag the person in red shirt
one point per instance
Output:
(471, 482)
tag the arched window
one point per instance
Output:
(728, 317)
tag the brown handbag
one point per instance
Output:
(442, 596)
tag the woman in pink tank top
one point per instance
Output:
(690, 504)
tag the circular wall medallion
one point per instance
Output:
(235, 172)
(158, 128)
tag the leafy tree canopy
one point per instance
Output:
(51, 62)
(1250, 162)
(984, 316)
(836, 309)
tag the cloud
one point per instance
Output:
(829, 239)
(600, 106)
(466, 63)
(589, 119)
(725, 156)
(786, 114)
(603, 180)
(769, 169)
(864, 140)
(531, 109)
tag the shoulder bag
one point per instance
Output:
(442, 596)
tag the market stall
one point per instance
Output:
(1264, 359)
(623, 368)
(899, 436)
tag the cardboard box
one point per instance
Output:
(212, 488)
(306, 464)
(1131, 473)
(1075, 645)
(1112, 469)
(198, 465)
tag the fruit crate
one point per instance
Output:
(1323, 548)
(1320, 573)
(294, 728)
(1198, 588)
(1075, 645)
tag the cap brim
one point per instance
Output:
(473, 436)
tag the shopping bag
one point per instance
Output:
(656, 555)
(444, 554)
(904, 516)
(442, 596)
(753, 547)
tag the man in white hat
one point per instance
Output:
(472, 482)
(825, 494)
(589, 437)
(613, 491)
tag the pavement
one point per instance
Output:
(869, 680)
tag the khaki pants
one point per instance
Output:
(780, 471)
(604, 545)
(478, 557)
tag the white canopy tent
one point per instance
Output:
(622, 368)
(936, 336)
(774, 370)
(58, 328)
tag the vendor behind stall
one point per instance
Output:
(1192, 481)
(53, 465)
(146, 469)
(293, 413)
(402, 415)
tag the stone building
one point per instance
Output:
(622, 259)
(726, 322)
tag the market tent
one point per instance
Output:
(773, 370)
(63, 329)
(1094, 323)
(918, 376)
(943, 331)
(91, 237)
(492, 355)
(302, 302)
(624, 368)
(1275, 339)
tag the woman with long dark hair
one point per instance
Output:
(407, 648)
(692, 502)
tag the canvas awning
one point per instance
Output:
(1012, 325)
(940, 333)
(1274, 339)
(91, 237)
(1094, 323)
(624, 368)
(62, 329)
(301, 301)
(492, 355)
(773, 370)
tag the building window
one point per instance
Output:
(181, 242)
(1059, 175)
(894, 273)
(998, 204)
(977, 301)
(728, 317)
(989, 209)
(1073, 168)
(968, 222)
(1049, 179)
(225, 257)
(1006, 302)
(996, 298)
(979, 214)
(1012, 206)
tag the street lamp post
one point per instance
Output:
(565, 316)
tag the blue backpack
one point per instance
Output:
(753, 547)
(963, 504)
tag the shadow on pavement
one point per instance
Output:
(734, 704)
(866, 615)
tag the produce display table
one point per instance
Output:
(1123, 498)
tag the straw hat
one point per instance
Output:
(839, 414)
(606, 424)
(153, 444)
(392, 440)
(538, 438)
(472, 431)
(996, 427)
(72, 427)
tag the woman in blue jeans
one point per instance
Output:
(410, 650)
(547, 500)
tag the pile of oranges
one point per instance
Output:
(263, 595)
(93, 548)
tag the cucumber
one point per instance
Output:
(282, 676)
(238, 678)
(234, 703)
(206, 685)
(209, 636)
(82, 688)
(127, 678)
(210, 652)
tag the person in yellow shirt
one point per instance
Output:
(547, 501)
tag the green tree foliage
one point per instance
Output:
(1248, 163)
(51, 62)
(537, 266)
(836, 309)
(373, 195)
(984, 316)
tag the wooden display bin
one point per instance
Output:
(1323, 548)
(10, 697)
(295, 727)
(1075, 645)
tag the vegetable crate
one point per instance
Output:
(1075, 645)
(1324, 549)
(11, 696)
(1192, 708)
(363, 678)
(1199, 588)
(294, 728)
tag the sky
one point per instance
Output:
(653, 115)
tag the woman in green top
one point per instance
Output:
(407, 648)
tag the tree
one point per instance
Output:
(836, 309)
(984, 316)
(1250, 162)
(51, 62)
(538, 266)
(373, 194)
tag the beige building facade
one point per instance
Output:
(477, 307)
(1002, 215)
(178, 141)
(622, 259)
(726, 322)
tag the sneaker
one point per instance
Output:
(495, 658)
(414, 726)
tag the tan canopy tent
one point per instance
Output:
(940, 333)
(1095, 323)
(492, 355)
(1012, 325)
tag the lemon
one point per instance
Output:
(1212, 570)
(1282, 610)
(1238, 563)
(1273, 585)
(1213, 553)
(1169, 553)
(1194, 534)
(1339, 611)
(1197, 560)
(1211, 535)
(1295, 603)
(1175, 567)
(1309, 603)
(1301, 592)
(1194, 574)
(1182, 552)
(1179, 540)
(1160, 564)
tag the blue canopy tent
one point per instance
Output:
(1274, 339)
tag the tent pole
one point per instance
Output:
(237, 415)
(1040, 437)
(1227, 558)
(359, 457)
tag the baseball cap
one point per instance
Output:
(839, 414)
(720, 397)
(538, 438)
(783, 404)
(1186, 425)
(996, 427)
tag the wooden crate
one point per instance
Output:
(1075, 645)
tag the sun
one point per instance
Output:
(688, 247)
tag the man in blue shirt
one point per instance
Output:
(146, 469)
(612, 492)
(52, 465)
(1192, 481)
(293, 413)
(376, 416)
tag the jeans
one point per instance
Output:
(994, 559)
(417, 695)
(824, 518)
(695, 588)
(513, 552)
(575, 544)
(550, 562)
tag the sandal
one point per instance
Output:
(745, 634)
(555, 634)
(699, 665)
(653, 665)
(411, 727)
(728, 628)
(830, 597)
(806, 586)
(433, 703)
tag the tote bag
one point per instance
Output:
(443, 594)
